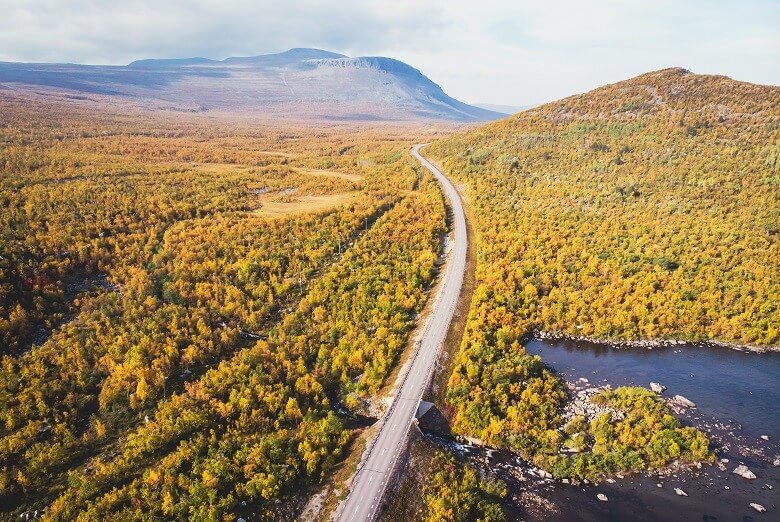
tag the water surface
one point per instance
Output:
(730, 385)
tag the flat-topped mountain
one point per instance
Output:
(300, 83)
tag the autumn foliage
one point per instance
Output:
(168, 350)
(647, 209)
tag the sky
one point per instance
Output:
(508, 52)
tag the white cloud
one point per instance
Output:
(513, 52)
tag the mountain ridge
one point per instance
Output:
(301, 83)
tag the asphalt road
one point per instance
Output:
(369, 484)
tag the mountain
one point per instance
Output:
(298, 83)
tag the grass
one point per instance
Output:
(217, 168)
(271, 206)
(332, 173)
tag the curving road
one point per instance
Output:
(376, 469)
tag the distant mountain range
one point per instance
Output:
(299, 83)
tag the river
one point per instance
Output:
(732, 385)
(737, 395)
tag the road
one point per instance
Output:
(376, 469)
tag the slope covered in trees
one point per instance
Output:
(648, 209)
(457, 493)
(169, 351)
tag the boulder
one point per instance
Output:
(657, 388)
(680, 492)
(682, 401)
(758, 507)
(602, 497)
(765, 437)
(744, 472)
(777, 462)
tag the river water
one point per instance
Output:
(738, 400)
(729, 385)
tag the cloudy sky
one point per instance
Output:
(508, 52)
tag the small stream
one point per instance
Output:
(737, 395)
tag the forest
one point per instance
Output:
(644, 210)
(169, 348)
(458, 493)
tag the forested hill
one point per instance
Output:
(643, 210)
(669, 91)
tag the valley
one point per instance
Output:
(212, 272)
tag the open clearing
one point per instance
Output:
(272, 207)
(332, 174)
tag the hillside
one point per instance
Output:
(297, 84)
(644, 210)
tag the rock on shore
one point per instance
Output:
(682, 401)
(652, 343)
(657, 387)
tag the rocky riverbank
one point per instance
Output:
(743, 480)
(650, 343)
